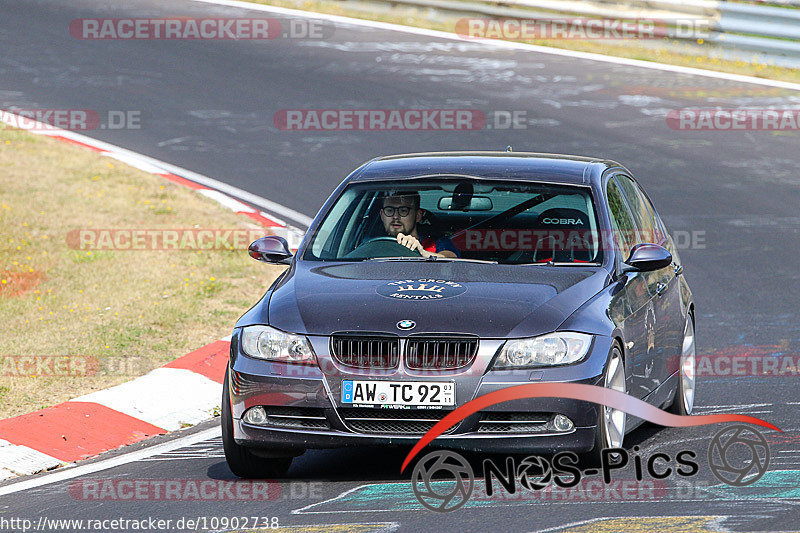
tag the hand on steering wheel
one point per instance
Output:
(411, 242)
(383, 246)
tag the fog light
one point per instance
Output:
(562, 423)
(256, 416)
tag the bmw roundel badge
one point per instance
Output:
(406, 324)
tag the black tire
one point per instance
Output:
(242, 462)
(593, 458)
(678, 406)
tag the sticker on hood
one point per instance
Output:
(421, 289)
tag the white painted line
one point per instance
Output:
(168, 398)
(135, 162)
(510, 503)
(733, 406)
(304, 510)
(77, 471)
(143, 398)
(507, 44)
(21, 460)
(249, 197)
(742, 411)
(226, 201)
(274, 219)
(292, 236)
(254, 199)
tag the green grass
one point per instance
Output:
(116, 307)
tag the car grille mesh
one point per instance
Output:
(366, 351)
(440, 353)
(296, 417)
(515, 422)
(423, 353)
(396, 421)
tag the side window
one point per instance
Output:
(658, 225)
(623, 225)
(642, 214)
(339, 222)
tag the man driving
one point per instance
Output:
(400, 214)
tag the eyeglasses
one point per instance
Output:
(402, 210)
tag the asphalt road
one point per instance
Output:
(208, 106)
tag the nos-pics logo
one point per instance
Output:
(443, 481)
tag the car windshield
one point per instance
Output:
(485, 220)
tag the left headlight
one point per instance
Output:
(558, 348)
(264, 342)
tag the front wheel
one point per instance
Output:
(611, 422)
(242, 462)
(683, 403)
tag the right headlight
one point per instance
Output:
(264, 342)
(558, 348)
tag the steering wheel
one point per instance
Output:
(381, 247)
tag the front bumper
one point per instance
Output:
(317, 389)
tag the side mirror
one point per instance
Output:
(270, 249)
(646, 257)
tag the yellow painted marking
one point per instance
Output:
(673, 524)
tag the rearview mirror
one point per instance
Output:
(646, 257)
(476, 203)
(270, 249)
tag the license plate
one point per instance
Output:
(413, 393)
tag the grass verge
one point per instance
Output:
(78, 320)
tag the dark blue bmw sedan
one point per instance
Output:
(428, 280)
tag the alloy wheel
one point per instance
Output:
(613, 419)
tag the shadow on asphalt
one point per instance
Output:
(377, 463)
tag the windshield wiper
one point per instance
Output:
(551, 263)
(466, 260)
(431, 259)
(399, 258)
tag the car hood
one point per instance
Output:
(491, 301)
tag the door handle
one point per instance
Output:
(660, 288)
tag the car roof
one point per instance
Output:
(555, 168)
